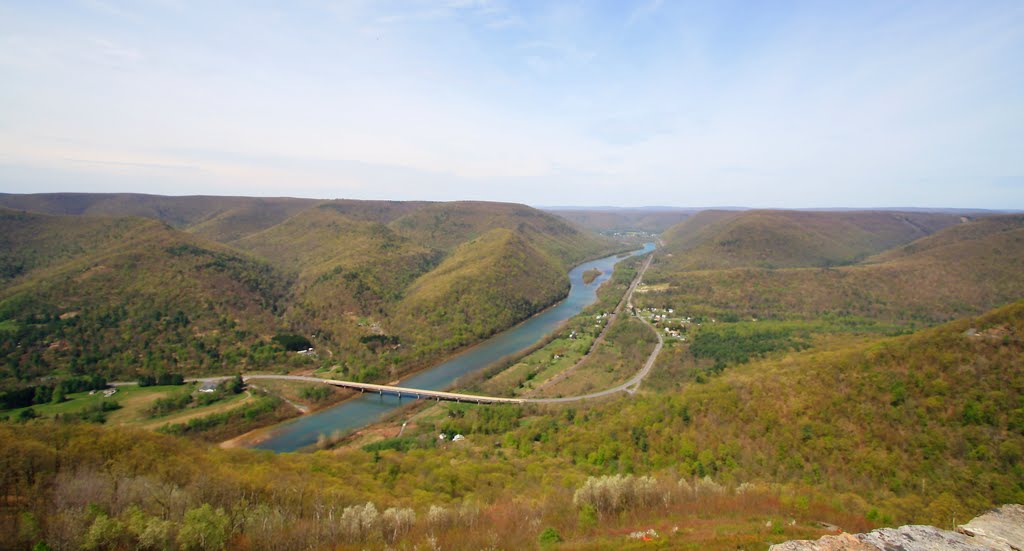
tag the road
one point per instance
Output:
(633, 384)
(627, 298)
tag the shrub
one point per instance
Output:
(550, 536)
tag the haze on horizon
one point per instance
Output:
(783, 104)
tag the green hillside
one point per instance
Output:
(484, 285)
(356, 262)
(337, 272)
(122, 296)
(235, 222)
(917, 425)
(960, 240)
(782, 239)
(962, 270)
(445, 225)
(908, 429)
(33, 241)
(318, 240)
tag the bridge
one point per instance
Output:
(421, 394)
(401, 392)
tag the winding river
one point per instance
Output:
(364, 410)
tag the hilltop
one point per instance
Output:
(498, 276)
(963, 269)
(786, 239)
(179, 212)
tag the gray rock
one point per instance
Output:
(919, 538)
(1001, 529)
(842, 542)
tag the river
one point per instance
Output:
(364, 410)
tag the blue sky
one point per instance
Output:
(764, 104)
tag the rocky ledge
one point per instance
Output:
(1001, 529)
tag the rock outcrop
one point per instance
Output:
(1001, 529)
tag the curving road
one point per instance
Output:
(633, 384)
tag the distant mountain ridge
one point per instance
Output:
(782, 239)
(609, 219)
(716, 262)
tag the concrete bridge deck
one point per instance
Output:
(417, 393)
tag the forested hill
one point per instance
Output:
(963, 269)
(207, 283)
(118, 296)
(784, 239)
(908, 429)
(237, 214)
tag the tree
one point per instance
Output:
(397, 522)
(234, 385)
(204, 528)
(151, 532)
(59, 394)
(26, 415)
(359, 521)
(43, 395)
(105, 533)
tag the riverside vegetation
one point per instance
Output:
(785, 401)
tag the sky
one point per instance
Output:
(707, 103)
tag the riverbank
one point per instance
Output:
(353, 414)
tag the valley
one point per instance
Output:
(758, 377)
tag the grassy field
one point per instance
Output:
(132, 399)
(622, 353)
(194, 412)
(134, 405)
